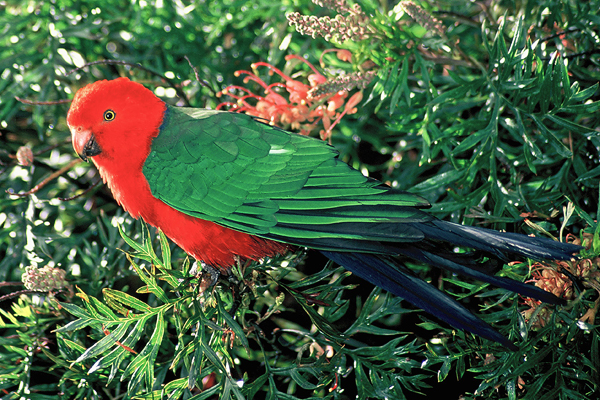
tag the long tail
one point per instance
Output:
(502, 245)
(398, 280)
(385, 271)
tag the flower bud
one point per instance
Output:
(44, 279)
(25, 156)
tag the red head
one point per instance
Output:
(114, 120)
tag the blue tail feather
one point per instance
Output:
(386, 272)
(398, 280)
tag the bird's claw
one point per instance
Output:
(208, 275)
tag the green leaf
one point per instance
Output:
(592, 174)
(233, 325)
(554, 141)
(175, 388)
(560, 86)
(151, 283)
(444, 370)
(456, 93)
(116, 296)
(166, 251)
(401, 87)
(582, 95)
(571, 126)
(545, 95)
(106, 343)
(141, 369)
(440, 180)
(118, 354)
(132, 243)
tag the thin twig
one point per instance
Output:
(575, 55)
(52, 147)
(82, 193)
(42, 103)
(37, 153)
(457, 17)
(200, 81)
(16, 294)
(11, 284)
(45, 181)
(557, 34)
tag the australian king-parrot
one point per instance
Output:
(226, 186)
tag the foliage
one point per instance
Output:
(490, 112)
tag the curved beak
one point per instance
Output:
(85, 144)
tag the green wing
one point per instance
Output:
(246, 175)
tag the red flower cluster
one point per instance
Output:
(306, 104)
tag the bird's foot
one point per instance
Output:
(209, 275)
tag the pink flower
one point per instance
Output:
(293, 104)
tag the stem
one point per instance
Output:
(43, 183)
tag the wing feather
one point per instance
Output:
(249, 176)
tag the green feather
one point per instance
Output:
(249, 176)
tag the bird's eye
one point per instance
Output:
(109, 115)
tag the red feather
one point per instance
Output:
(121, 168)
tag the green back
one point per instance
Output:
(249, 176)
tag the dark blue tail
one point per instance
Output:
(398, 280)
(386, 272)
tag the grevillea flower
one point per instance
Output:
(558, 279)
(298, 105)
(44, 279)
(423, 17)
(350, 24)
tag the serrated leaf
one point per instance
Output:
(401, 87)
(175, 388)
(584, 94)
(78, 324)
(196, 363)
(76, 310)
(444, 370)
(471, 141)
(132, 243)
(72, 345)
(592, 174)
(103, 310)
(456, 93)
(516, 44)
(559, 70)
(314, 278)
(300, 380)
(212, 356)
(210, 393)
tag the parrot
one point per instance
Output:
(228, 186)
